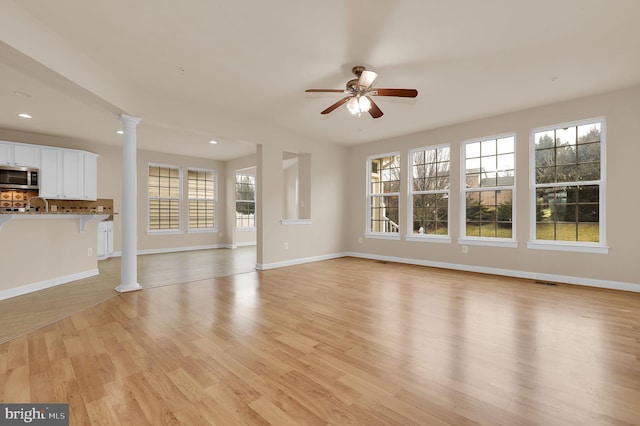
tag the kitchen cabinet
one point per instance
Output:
(105, 240)
(72, 175)
(90, 189)
(50, 176)
(14, 154)
(68, 174)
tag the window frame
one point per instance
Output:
(434, 238)
(245, 228)
(368, 232)
(178, 230)
(213, 228)
(572, 246)
(464, 239)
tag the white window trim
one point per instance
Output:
(293, 222)
(444, 239)
(215, 202)
(367, 232)
(600, 247)
(180, 204)
(427, 237)
(486, 241)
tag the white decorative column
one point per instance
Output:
(129, 265)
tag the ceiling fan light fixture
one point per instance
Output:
(358, 104)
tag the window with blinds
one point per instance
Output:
(201, 184)
(164, 198)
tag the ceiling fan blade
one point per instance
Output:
(401, 93)
(367, 78)
(336, 105)
(375, 111)
(325, 90)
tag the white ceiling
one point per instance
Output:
(236, 71)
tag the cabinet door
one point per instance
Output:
(6, 153)
(109, 238)
(50, 173)
(72, 175)
(101, 249)
(90, 176)
(26, 156)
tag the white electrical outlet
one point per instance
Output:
(89, 251)
(286, 246)
(100, 208)
(465, 249)
(359, 240)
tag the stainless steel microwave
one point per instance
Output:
(19, 177)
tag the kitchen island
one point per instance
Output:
(44, 249)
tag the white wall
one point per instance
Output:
(618, 268)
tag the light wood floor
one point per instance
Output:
(29, 312)
(345, 341)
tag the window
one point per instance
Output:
(568, 189)
(201, 185)
(429, 191)
(384, 194)
(245, 201)
(488, 191)
(164, 198)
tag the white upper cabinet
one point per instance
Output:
(68, 174)
(14, 154)
(72, 175)
(50, 173)
(90, 176)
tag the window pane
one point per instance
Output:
(164, 197)
(430, 174)
(201, 186)
(384, 214)
(245, 201)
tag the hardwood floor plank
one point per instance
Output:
(345, 341)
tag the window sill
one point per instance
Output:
(429, 238)
(165, 232)
(492, 242)
(383, 236)
(246, 229)
(201, 230)
(295, 221)
(562, 246)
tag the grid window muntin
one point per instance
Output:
(201, 191)
(164, 183)
(488, 189)
(430, 191)
(245, 201)
(568, 186)
(383, 194)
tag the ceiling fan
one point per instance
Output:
(360, 91)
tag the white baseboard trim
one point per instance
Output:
(566, 279)
(188, 248)
(176, 249)
(266, 266)
(51, 282)
(245, 244)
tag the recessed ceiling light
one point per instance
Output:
(24, 95)
(213, 142)
(120, 132)
(24, 115)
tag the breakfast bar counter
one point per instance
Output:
(44, 249)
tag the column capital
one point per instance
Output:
(129, 119)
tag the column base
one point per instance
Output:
(123, 288)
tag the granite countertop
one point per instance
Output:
(58, 213)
